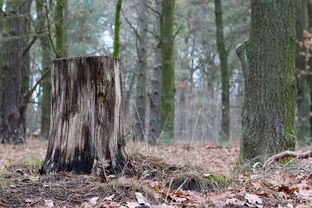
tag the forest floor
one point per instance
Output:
(200, 175)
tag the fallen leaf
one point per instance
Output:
(162, 206)
(93, 201)
(132, 204)
(287, 189)
(235, 202)
(29, 200)
(48, 203)
(141, 199)
(110, 198)
(253, 199)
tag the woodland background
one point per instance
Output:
(183, 88)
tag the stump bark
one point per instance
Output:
(86, 128)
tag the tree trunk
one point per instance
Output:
(11, 67)
(303, 97)
(66, 25)
(59, 28)
(225, 77)
(86, 129)
(45, 66)
(141, 80)
(155, 106)
(268, 62)
(167, 61)
(132, 79)
(117, 29)
(26, 63)
(309, 8)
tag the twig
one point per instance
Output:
(129, 23)
(178, 30)
(30, 91)
(195, 128)
(49, 28)
(30, 45)
(153, 10)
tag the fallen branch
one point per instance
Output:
(282, 155)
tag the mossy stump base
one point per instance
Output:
(86, 128)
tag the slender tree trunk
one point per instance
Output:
(309, 8)
(66, 24)
(11, 67)
(141, 80)
(26, 62)
(268, 62)
(129, 92)
(26, 65)
(45, 66)
(303, 97)
(117, 28)
(225, 75)
(59, 28)
(167, 60)
(86, 130)
(155, 104)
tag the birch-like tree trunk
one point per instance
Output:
(86, 129)
(303, 97)
(142, 66)
(45, 66)
(309, 9)
(26, 62)
(59, 28)
(268, 62)
(12, 25)
(155, 105)
(225, 75)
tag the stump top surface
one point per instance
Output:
(83, 57)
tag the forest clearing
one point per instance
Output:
(168, 176)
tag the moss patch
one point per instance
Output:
(36, 162)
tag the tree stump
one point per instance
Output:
(86, 128)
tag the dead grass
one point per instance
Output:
(197, 181)
(33, 150)
(204, 157)
(180, 176)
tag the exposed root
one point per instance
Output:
(282, 155)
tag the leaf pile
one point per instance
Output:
(166, 177)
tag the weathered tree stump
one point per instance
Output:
(86, 128)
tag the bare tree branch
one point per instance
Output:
(130, 24)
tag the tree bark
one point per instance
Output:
(167, 61)
(309, 10)
(66, 25)
(45, 66)
(225, 75)
(117, 28)
(303, 96)
(141, 80)
(86, 129)
(155, 105)
(59, 28)
(26, 63)
(268, 62)
(11, 71)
